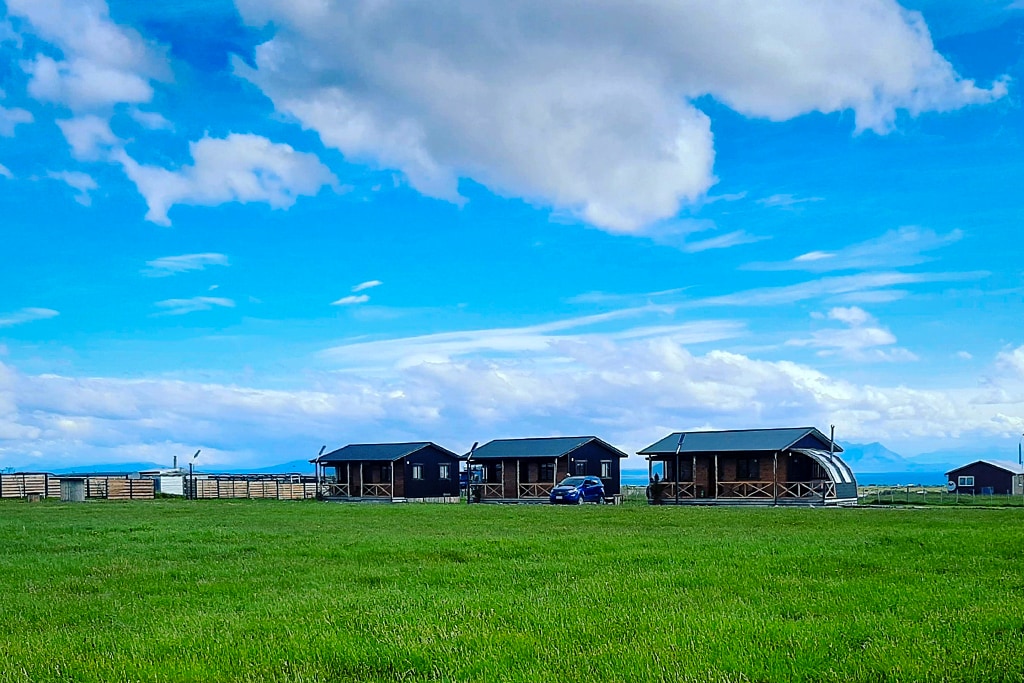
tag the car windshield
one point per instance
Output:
(572, 481)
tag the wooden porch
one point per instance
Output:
(364, 481)
(752, 492)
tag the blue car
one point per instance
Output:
(578, 490)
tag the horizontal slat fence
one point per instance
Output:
(130, 489)
(252, 488)
(22, 485)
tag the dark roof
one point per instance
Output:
(543, 447)
(735, 440)
(385, 452)
(1011, 467)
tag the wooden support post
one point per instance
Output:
(677, 476)
(518, 481)
(775, 477)
(650, 470)
(716, 476)
(360, 478)
(393, 479)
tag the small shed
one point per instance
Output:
(787, 466)
(987, 477)
(525, 470)
(72, 490)
(169, 481)
(420, 471)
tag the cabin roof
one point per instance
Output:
(1011, 467)
(384, 452)
(540, 447)
(736, 440)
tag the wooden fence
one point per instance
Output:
(23, 485)
(250, 488)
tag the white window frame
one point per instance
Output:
(444, 471)
(966, 481)
(606, 469)
(417, 472)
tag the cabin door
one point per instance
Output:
(712, 481)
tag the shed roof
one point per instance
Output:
(1011, 467)
(384, 452)
(541, 447)
(736, 440)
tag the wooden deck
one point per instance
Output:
(820, 492)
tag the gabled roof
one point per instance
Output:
(543, 447)
(738, 440)
(1011, 467)
(384, 452)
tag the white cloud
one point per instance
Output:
(83, 182)
(580, 108)
(964, 355)
(10, 118)
(544, 341)
(905, 246)
(351, 300)
(27, 315)
(239, 168)
(196, 303)
(852, 316)
(150, 119)
(369, 284)
(5, 172)
(630, 389)
(89, 136)
(786, 200)
(1011, 362)
(102, 64)
(863, 340)
(732, 239)
(864, 286)
(172, 265)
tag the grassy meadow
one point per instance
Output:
(302, 591)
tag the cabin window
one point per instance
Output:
(417, 472)
(492, 473)
(547, 471)
(581, 468)
(748, 469)
(606, 469)
(965, 481)
(444, 471)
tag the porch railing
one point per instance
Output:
(746, 489)
(376, 491)
(687, 489)
(807, 489)
(336, 490)
(491, 490)
(535, 490)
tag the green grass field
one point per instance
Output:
(305, 591)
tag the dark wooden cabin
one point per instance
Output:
(793, 466)
(525, 470)
(987, 477)
(389, 472)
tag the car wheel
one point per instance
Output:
(579, 501)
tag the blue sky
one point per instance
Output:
(260, 227)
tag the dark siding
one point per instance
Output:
(431, 486)
(985, 476)
(592, 454)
